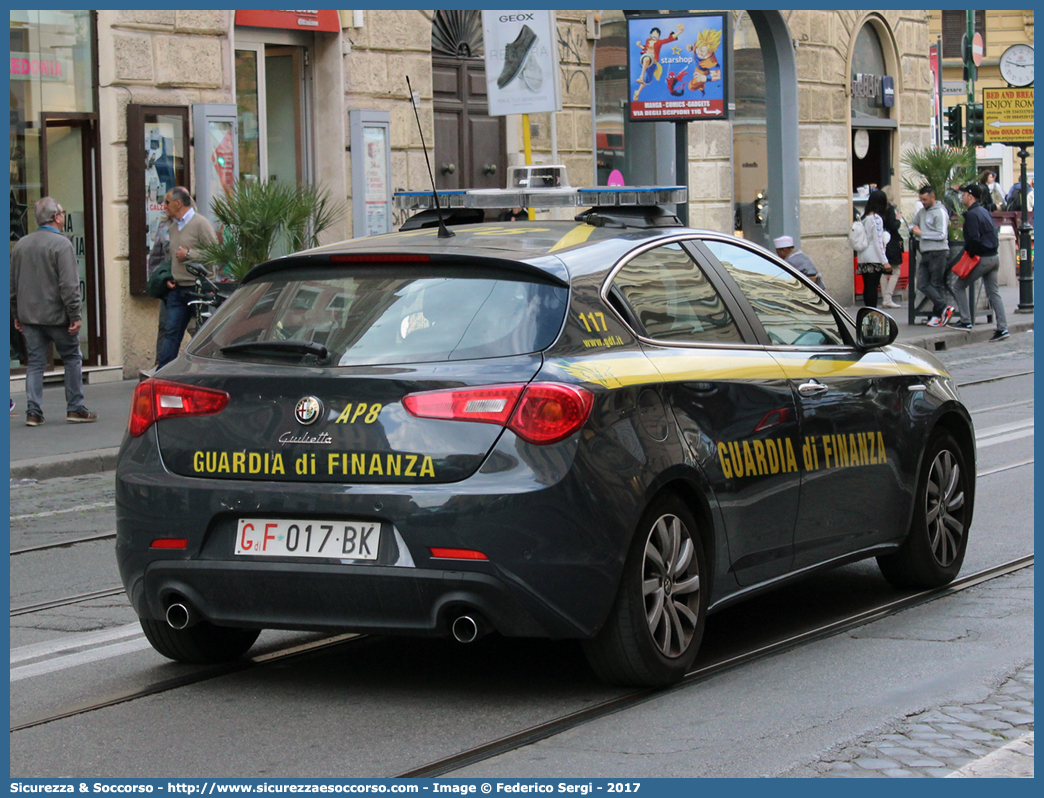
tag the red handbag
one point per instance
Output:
(964, 266)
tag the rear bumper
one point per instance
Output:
(372, 599)
(555, 548)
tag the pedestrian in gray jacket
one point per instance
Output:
(931, 225)
(46, 307)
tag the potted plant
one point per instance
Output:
(258, 221)
(940, 168)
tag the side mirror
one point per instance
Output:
(874, 328)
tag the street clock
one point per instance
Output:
(1016, 65)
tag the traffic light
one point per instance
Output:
(955, 125)
(976, 130)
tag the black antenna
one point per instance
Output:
(444, 232)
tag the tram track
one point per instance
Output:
(590, 714)
(557, 725)
(998, 378)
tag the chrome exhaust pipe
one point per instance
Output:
(466, 629)
(178, 616)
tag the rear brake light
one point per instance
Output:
(547, 412)
(489, 405)
(386, 258)
(457, 554)
(155, 400)
(170, 543)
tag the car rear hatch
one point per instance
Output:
(316, 360)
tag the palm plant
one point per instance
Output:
(257, 219)
(940, 168)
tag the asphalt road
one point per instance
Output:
(378, 707)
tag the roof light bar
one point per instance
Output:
(543, 197)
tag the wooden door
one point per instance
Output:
(469, 143)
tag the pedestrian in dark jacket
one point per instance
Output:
(46, 308)
(980, 238)
(893, 222)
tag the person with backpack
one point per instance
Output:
(873, 262)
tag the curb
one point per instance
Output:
(65, 465)
(951, 339)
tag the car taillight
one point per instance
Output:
(155, 400)
(543, 412)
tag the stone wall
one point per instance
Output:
(156, 58)
(393, 44)
(824, 40)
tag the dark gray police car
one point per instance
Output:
(603, 429)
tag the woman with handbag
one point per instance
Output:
(893, 222)
(873, 262)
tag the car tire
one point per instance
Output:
(656, 623)
(933, 552)
(202, 643)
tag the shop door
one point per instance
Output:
(273, 110)
(66, 164)
(469, 143)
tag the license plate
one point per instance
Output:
(279, 537)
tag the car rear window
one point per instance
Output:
(387, 315)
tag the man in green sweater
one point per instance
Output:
(187, 233)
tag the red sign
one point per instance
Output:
(977, 49)
(328, 21)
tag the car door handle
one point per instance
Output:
(812, 387)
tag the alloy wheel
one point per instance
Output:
(944, 507)
(671, 585)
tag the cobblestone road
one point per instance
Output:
(992, 739)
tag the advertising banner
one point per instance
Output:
(521, 62)
(160, 175)
(375, 160)
(677, 67)
(1007, 116)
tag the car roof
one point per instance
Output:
(559, 248)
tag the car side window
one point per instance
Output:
(672, 298)
(791, 312)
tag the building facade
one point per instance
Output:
(999, 30)
(109, 108)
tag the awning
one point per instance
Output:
(328, 21)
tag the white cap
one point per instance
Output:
(783, 242)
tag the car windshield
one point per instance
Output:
(388, 315)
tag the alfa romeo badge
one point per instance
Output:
(308, 410)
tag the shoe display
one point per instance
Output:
(959, 325)
(947, 314)
(515, 55)
(1000, 335)
(81, 416)
(33, 419)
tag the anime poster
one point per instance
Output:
(159, 175)
(677, 67)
